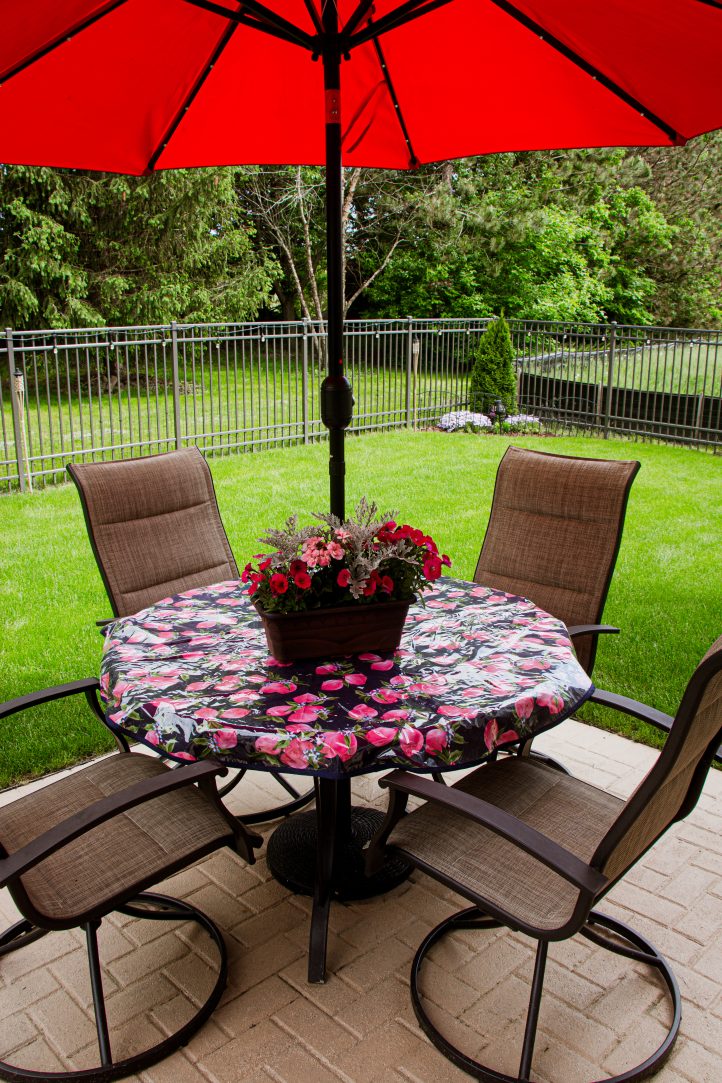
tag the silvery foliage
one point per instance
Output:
(287, 541)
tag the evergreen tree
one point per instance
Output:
(492, 376)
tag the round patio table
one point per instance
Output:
(476, 670)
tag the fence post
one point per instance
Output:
(176, 385)
(699, 416)
(409, 359)
(17, 433)
(304, 383)
(610, 377)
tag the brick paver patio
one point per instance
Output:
(598, 1016)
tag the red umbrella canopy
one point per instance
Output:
(136, 85)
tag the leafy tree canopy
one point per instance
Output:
(81, 248)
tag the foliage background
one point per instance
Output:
(629, 235)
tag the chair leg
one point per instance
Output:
(96, 985)
(532, 1015)
(146, 905)
(623, 941)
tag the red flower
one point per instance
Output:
(370, 587)
(432, 567)
(264, 564)
(302, 580)
(279, 583)
(387, 584)
(296, 567)
(344, 577)
(245, 575)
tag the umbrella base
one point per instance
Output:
(292, 857)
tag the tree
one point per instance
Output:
(492, 375)
(80, 248)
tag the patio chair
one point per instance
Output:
(91, 843)
(155, 530)
(535, 850)
(553, 537)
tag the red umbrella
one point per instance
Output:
(134, 86)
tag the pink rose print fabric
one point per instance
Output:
(476, 670)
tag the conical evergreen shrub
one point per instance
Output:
(492, 376)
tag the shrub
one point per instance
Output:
(492, 376)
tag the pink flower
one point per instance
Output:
(492, 738)
(151, 737)
(279, 688)
(296, 753)
(400, 681)
(332, 685)
(279, 711)
(305, 697)
(362, 711)
(335, 550)
(226, 738)
(524, 706)
(397, 714)
(206, 712)
(196, 686)
(380, 735)
(327, 667)
(235, 712)
(436, 739)
(553, 702)
(343, 745)
(300, 727)
(385, 695)
(368, 657)
(268, 743)
(411, 740)
(305, 714)
(384, 665)
(355, 678)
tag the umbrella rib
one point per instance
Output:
(188, 100)
(413, 160)
(61, 39)
(315, 17)
(268, 21)
(589, 68)
(357, 16)
(409, 11)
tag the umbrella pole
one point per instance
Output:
(336, 398)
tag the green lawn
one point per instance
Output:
(665, 595)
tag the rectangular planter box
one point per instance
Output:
(328, 633)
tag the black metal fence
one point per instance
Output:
(108, 392)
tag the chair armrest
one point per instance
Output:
(46, 695)
(590, 629)
(633, 707)
(61, 834)
(533, 842)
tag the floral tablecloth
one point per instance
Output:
(476, 668)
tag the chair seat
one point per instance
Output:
(117, 859)
(491, 870)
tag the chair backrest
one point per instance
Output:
(554, 533)
(671, 789)
(154, 526)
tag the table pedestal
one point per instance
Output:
(320, 853)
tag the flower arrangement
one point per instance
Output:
(365, 560)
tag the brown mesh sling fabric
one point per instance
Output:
(554, 533)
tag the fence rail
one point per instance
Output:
(108, 392)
